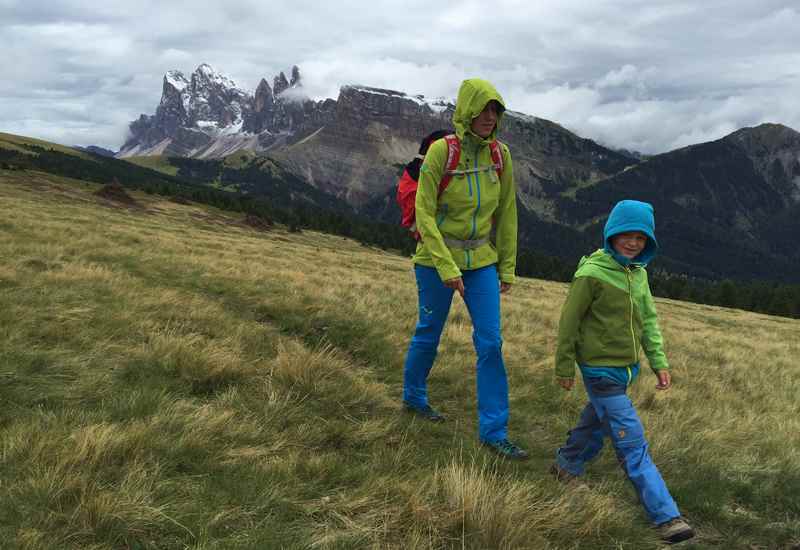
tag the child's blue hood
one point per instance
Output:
(627, 216)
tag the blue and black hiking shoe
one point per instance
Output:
(426, 412)
(506, 449)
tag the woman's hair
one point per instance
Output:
(413, 167)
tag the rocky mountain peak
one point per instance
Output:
(207, 114)
(206, 76)
(766, 137)
(280, 83)
(173, 109)
(774, 150)
(176, 79)
(215, 101)
(263, 98)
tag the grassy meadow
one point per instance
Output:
(155, 162)
(171, 378)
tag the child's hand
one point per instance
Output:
(664, 380)
(566, 383)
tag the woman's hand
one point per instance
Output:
(456, 284)
(504, 287)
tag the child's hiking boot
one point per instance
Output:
(427, 412)
(675, 530)
(562, 475)
(506, 449)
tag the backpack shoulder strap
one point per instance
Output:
(453, 156)
(497, 156)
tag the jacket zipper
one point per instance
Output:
(478, 207)
(478, 193)
(633, 332)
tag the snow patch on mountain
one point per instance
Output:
(213, 76)
(177, 80)
(437, 105)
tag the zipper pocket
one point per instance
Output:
(441, 215)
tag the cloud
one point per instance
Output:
(628, 73)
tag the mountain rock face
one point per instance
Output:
(208, 116)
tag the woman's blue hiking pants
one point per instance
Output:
(482, 297)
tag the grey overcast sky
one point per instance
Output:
(647, 75)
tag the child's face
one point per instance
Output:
(629, 244)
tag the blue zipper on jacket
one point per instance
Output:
(478, 207)
(478, 190)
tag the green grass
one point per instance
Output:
(156, 162)
(173, 379)
(240, 159)
(19, 143)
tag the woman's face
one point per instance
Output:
(483, 124)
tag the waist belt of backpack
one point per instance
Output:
(465, 245)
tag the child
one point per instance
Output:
(609, 315)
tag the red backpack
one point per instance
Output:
(407, 185)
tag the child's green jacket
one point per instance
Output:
(608, 317)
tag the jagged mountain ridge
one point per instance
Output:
(208, 116)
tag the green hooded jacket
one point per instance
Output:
(608, 317)
(472, 202)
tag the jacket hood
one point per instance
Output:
(473, 96)
(630, 215)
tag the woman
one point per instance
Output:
(455, 254)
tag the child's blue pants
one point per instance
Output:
(482, 297)
(611, 413)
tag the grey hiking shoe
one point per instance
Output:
(675, 530)
(426, 412)
(506, 449)
(561, 474)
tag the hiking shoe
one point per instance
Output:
(505, 448)
(561, 474)
(426, 412)
(675, 530)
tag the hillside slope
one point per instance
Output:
(727, 208)
(174, 379)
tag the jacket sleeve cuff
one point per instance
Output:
(447, 273)
(565, 370)
(507, 278)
